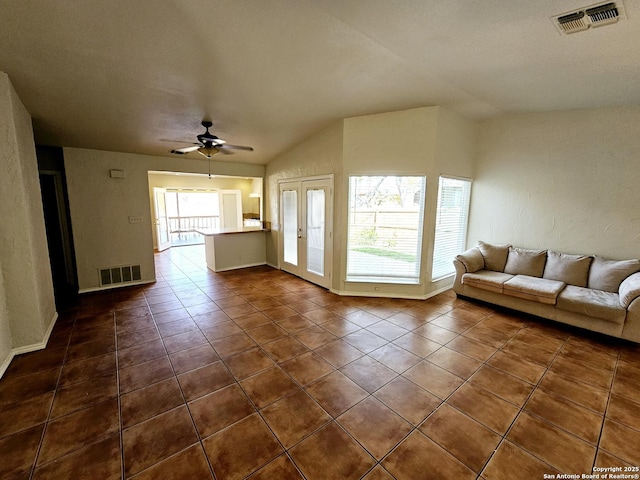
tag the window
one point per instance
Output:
(451, 224)
(385, 228)
(188, 210)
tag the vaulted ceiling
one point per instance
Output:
(139, 76)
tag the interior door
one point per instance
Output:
(230, 209)
(306, 236)
(163, 236)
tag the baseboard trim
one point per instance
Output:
(111, 287)
(237, 267)
(29, 348)
(6, 363)
(348, 293)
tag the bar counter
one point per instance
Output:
(233, 248)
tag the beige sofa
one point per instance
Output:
(591, 292)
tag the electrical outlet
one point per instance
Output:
(135, 219)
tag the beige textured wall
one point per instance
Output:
(562, 180)
(5, 328)
(27, 288)
(100, 207)
(8, 161)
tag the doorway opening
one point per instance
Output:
(183, 205)
(57, 219)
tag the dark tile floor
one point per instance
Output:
(257, 373)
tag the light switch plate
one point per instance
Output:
(135, 219)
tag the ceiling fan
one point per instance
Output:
(209, 145)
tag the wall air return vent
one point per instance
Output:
(117, 275)
(589, 17)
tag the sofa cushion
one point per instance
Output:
(607, 275)
(533, 288)
(525, 262)
(472, 260)
(486, 280)
(592, 303)
(570, 269)
(495, 256)
(629, 290)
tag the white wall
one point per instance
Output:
(563, 180)
(29, 308)
(100, 207)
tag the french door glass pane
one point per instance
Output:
(315, 231)
(161, 206)
(290, 226)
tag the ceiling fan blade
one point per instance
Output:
(235, 147)
(182, 151)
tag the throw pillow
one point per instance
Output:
(570, 269)
(495, 256)
(472, 260)
(607, 275)
(525, 262)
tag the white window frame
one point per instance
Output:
(443, 253)
(387, 277)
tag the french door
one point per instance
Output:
(163, 236)
(306, 236)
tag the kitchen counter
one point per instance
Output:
(226, 231)
(233, 248)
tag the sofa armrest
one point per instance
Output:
(472, 260)
(629, 289)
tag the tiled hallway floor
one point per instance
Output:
(256, 372)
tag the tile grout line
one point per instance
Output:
(606, 409)
(506, 433)
(184, 398)
(55, 393)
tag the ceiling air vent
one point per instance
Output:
(589, 17)
(603, 15)
(573, 22)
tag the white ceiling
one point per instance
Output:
(139, 76)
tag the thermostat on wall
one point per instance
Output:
(116, 173)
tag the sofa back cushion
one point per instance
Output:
(607, 275)
(525, 262)
(570, 269)
(495, 256)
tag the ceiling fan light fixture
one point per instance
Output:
(208, 151)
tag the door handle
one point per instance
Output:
(299, 233)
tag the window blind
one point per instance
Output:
(451, 224)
